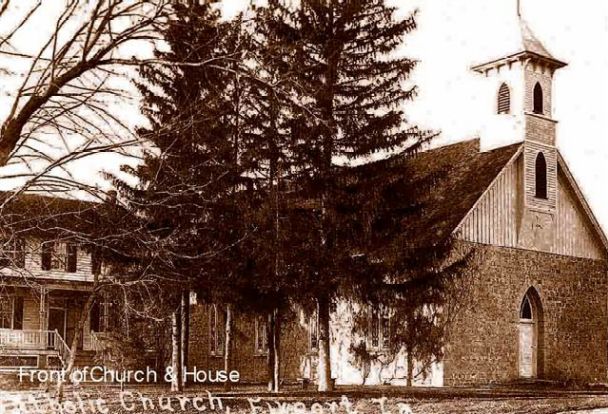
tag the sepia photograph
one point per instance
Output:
(303, 206)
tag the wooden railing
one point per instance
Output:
(96, 342)
(62, 348)
(29, 339)
(24, 339)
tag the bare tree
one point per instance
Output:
(69, 84)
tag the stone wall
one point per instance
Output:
(483, 344)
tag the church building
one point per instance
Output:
(537, 306)
(539, 299)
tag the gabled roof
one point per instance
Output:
(440, 186)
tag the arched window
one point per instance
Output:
(504, 99)
(541, 176)
(538, 99)
(526, 309)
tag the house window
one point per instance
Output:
(11, 312)
(96, 261)
(380, 328)
(13, 253)
(59, 256)
(538, 99)
(541, 176)
(313, 330)
(6, 312)
(261, 336)
(46, 258)
(71, 262)
(504, 99)
(215, 340)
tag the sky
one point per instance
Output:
(453, 35)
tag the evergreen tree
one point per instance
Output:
(188, 205)
(352, 86)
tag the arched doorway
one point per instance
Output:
(531, 336)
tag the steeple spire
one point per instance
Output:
(519, 8)
(528, 47)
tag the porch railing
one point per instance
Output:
(25, 339)
(30, 339)
(97, 342)
(61, 347)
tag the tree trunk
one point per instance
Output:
(324, 364)
(410, 366)
(270, 359)
(276, 350)
(185, 331)
(228, 344)
(176, 381)
(75, 341)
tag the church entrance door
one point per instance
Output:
(530, 330)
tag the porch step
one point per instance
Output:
(85, 358)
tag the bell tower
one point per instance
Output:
(519, 109)
(519, 92)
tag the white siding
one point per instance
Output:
(33, 267)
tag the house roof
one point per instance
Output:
(440, 186)
(37, 213)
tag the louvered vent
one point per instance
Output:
(504, 99)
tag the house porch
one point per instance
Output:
(38, 325)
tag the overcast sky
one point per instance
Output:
(454, 34)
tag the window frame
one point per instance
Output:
(313, 332)
(380, 320)
(59, 256)
(522, 312)
(71, 257)
(15, 255)
(503, 100)
(12, 319)
(538, 97)
(47, 251)
(10, 313)
(541, 184)
(261, 347)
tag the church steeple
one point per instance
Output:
(519, 109)
(519, 88)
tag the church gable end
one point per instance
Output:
(509, 214)
(494, 219)
(576, 235)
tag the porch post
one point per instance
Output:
(43, 299)
(105, 312)
(42, 360)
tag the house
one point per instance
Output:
(536, 305)
(46, 277)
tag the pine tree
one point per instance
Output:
(352, 86)
(186, 205)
